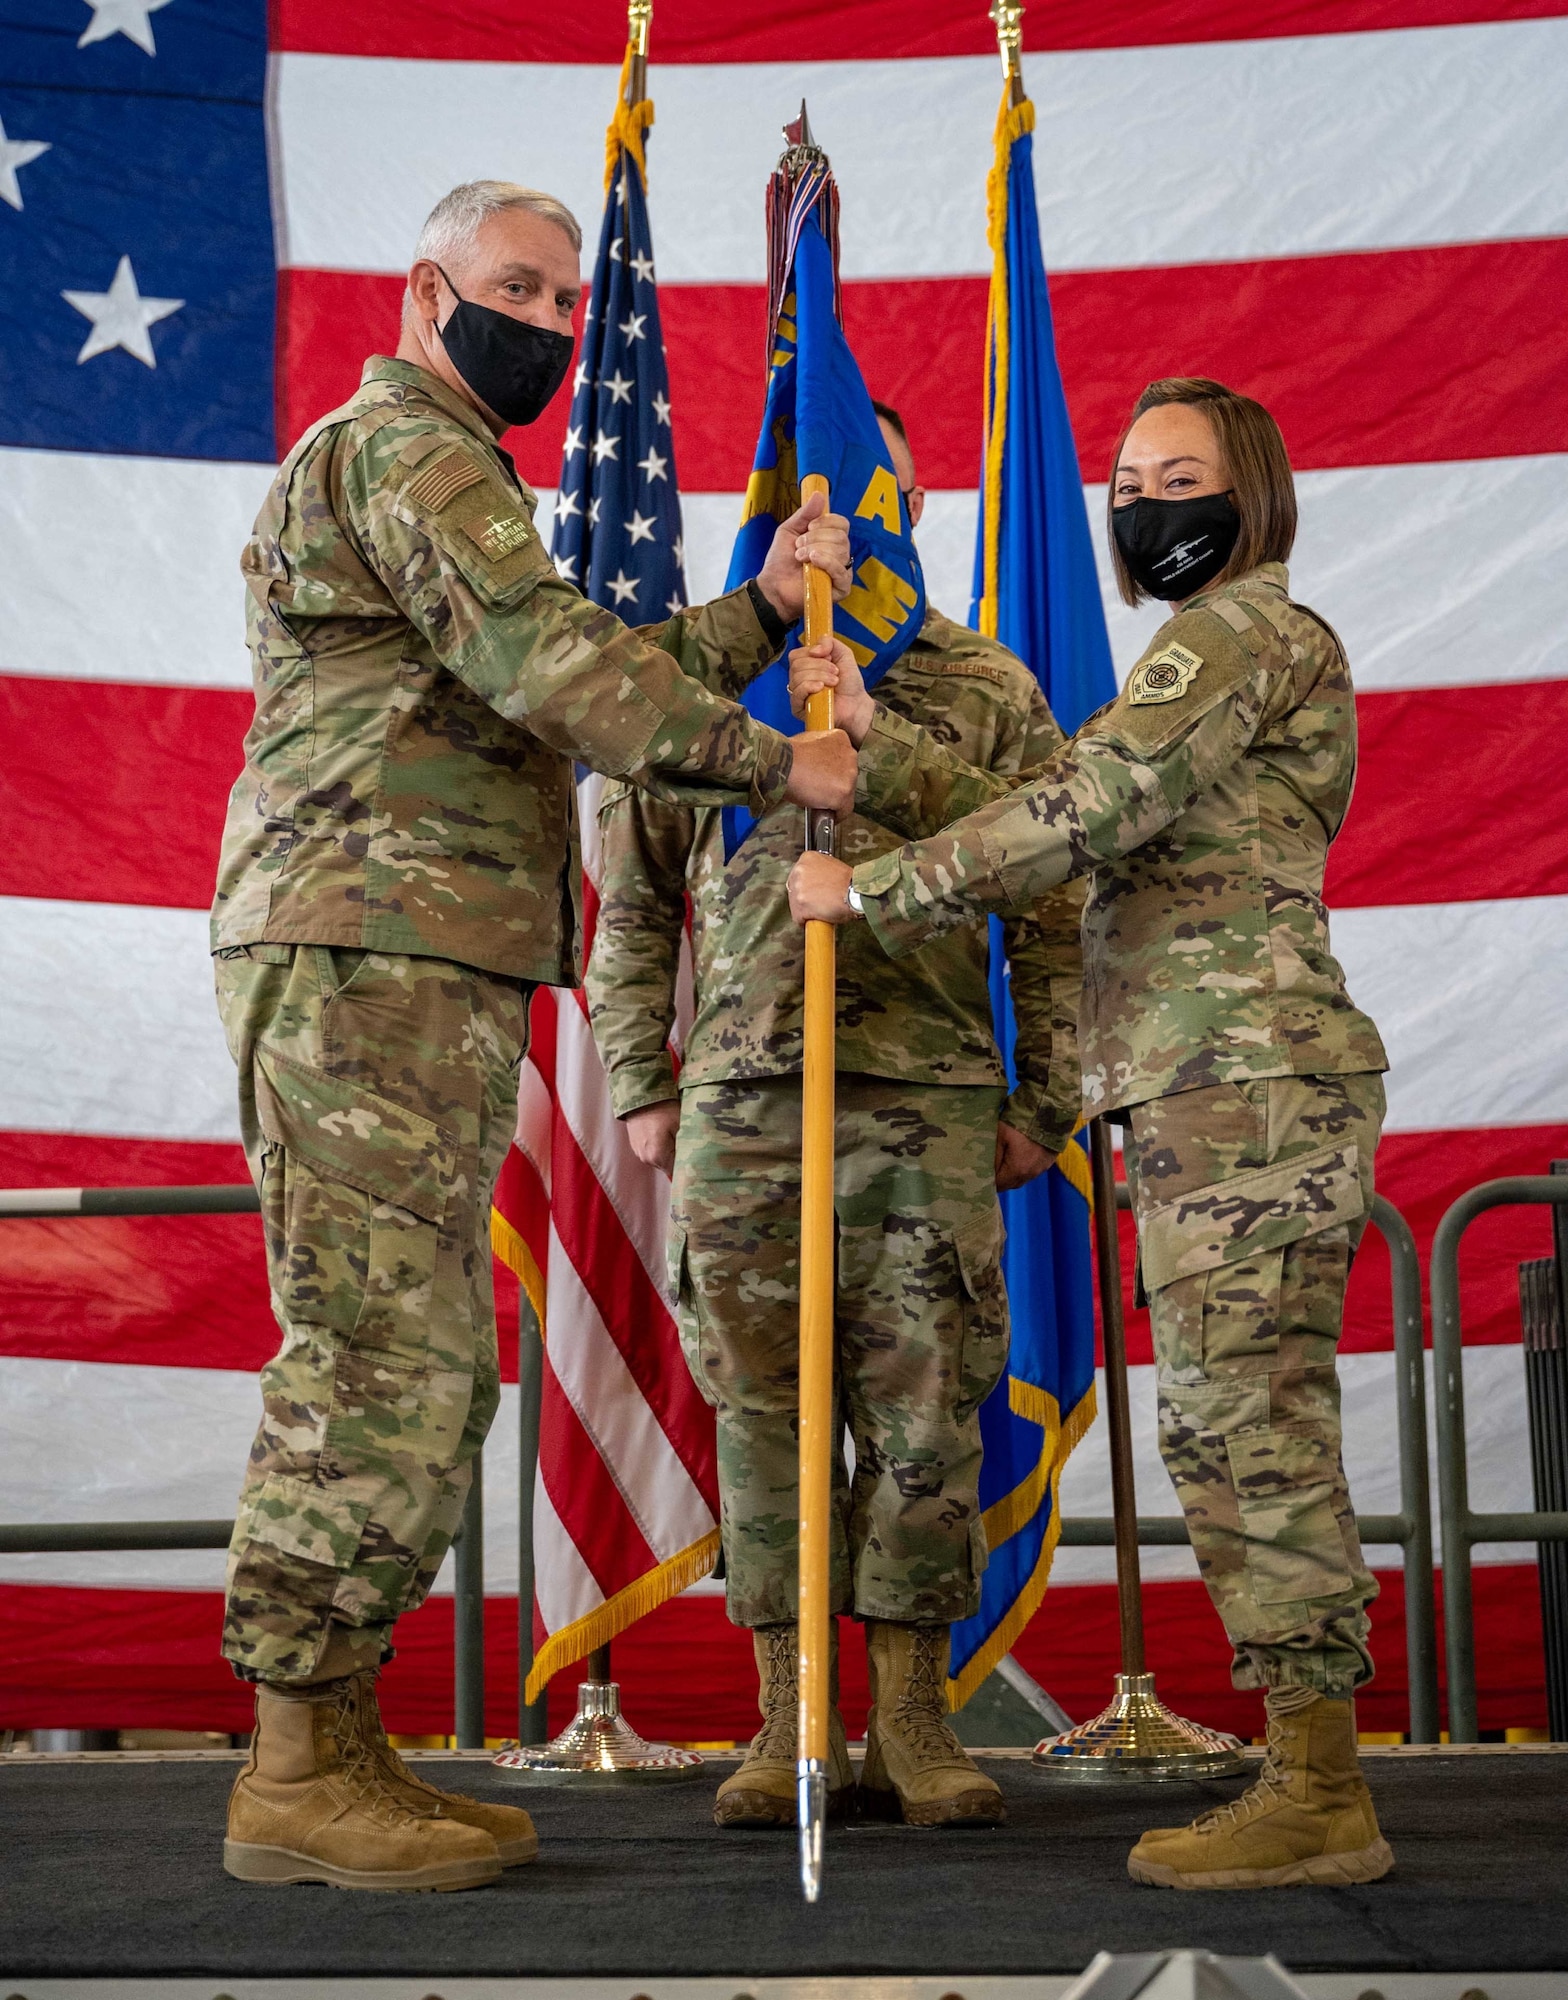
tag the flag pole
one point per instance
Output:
(1137, 1737)
(816, 1295)
(1009, 18)
(639, 20)
(599, 1746)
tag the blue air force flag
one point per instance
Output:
(1036, 590)
(617, 529)
(818, 419)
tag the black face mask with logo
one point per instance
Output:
(1174, 547)
(512, 367)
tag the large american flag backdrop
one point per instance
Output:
(1355, 209)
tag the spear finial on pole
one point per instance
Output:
(639, 20)
(1009, 18)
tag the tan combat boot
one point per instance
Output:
(311, 1805)
(762, 1791)
(508, 1826)
(916, 1769)
(1309, 1817)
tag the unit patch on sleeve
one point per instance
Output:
(1164, 676)
(499, 534)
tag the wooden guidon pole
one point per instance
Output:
(816, 1298)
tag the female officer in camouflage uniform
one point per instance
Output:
(1215, 1023)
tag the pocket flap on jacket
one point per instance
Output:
(1231, 1220)
(306, 1520)
(350, 1134)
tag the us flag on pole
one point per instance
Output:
(626, 1498)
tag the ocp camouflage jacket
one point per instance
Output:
(929, 1018)
(1200, 804)
(424, 680)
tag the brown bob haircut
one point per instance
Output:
(1261, 486)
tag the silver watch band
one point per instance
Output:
(852, 897)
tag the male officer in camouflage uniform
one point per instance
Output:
(400, 868)
(1216, 1023)
(922, 1327)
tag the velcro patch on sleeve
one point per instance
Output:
(498, 532)
(439, 485)
(1178, 682)
(1164, 676)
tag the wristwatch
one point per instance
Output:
(852, 898)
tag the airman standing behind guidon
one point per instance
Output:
(1216, 1026)
(925, 1134)
(399, 869)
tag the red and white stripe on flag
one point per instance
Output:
(626, 1499)
(1355, 209)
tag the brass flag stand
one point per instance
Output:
(1137, 1738)
(598, 1746)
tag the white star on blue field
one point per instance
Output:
(617, 529)
(138, 280)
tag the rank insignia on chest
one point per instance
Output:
(501, 534)
(1164, 676)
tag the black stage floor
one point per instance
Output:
(111, 1868)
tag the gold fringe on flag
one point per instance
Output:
(575, 1641)
(628, 129)
(515, 1254)
(1072, 1163)
(1014, 1510)
(1012, 122)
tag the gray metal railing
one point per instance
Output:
(1409, 1529)
(57, 1537)
(1462, 1527)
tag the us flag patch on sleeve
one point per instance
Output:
(439, 484)
(1164, 676)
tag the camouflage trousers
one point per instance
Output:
(378, 1095)
(922, 1333)
(1250, 1199)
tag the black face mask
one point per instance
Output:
(511, 366)
(1174, 547)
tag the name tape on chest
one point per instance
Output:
(1164, 676)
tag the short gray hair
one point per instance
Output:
(456, 219)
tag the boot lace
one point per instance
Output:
(357, 1760)
(376, 1731)
(919, 1711)
(1272, 1787)
(776, 1737)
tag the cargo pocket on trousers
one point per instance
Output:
(978, 1249)
(365, 1190)
(1284, 1483)
(306, 1521)
(1213, 1258)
